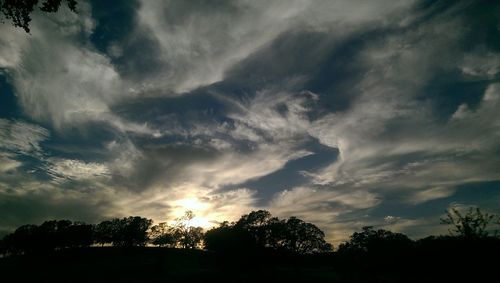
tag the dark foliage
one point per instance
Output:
(384, 256)
(186, 235)
(180, 235)
(60, 234)
(472, 224)
(126, 232)
(256, 247)
(162, 235)
(104, 232)
(258, 230)
(49, 236)
(19, 11)
(376, 242)
(228, 239)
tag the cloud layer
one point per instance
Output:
(344, 113)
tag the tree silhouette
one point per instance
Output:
(302, 237)
(23, 240)
(130, 231)
(375, 242)
(3, 248)
(163, 235)
(258, 230)
(19, 11)
(77, 235)
(227, 238)
(49, 236)
(46, 235)
(256, 224)
(104, 231)
(472, 224)
(185, 234)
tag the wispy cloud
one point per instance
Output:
(8, 163)
(190, 104)
(70, 169)
(21, 137)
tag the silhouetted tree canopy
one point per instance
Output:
(3, 248)
(259, 230)
(375, 242)
(186, 235)
(256, 247)
(227, 238)
(50, 235)
(182, 234)
(163, 235)
(19, 11)
(254, 232)
(256, 225)
(24, 239)
(103, 232)
(472, 224)
(130, 231)
(302, 237)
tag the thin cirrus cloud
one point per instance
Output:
(22, 138)
(193, 104)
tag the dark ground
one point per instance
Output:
(436, 262)
(158, 265)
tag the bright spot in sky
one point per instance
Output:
(200, 222)
(192, 204)
(197, 207)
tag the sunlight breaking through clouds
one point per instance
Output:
(343, 113)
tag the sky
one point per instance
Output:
(343, 113)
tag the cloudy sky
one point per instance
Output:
(343, 113)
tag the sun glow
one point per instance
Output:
(199, 222)
(192, 204)
(197, 207)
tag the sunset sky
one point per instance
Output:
(342, 113)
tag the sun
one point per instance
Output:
(197, 207)
(192, 204)
(200, 222)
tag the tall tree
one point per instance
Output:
(131, 231)
(259, 230)
(375, 242)
(302, 237)
(163, 235)
(256, 223)
(104, 232)
(187, 235)
(228, 238)
(472, 224)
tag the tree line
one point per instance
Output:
(257, 230)
(253, 232)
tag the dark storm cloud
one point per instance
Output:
(115, 21)
(164, 164)
(8, 104)
(42, 203)
(132, 50)
(323, 62)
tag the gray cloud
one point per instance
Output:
(22, 138)
(389, 126)
(8, 163)
(201, 40)
(70, 169)
(200, 98)
(31, 201)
